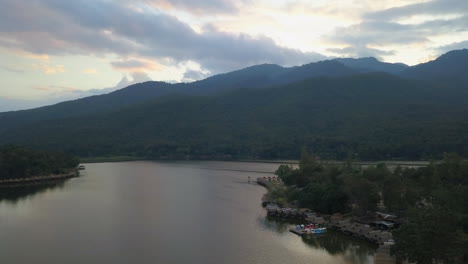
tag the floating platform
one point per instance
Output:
(297, 232)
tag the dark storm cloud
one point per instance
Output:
(96, 27)
(383, 28)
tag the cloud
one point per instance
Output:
(89, 71)
(434, 7)
(108, 27)
(11, 69)
(136, 65)
(50, 69)
(28, 55)
(197, 7)
(53, 95)
(393, 27)
(454, 46)
(10, 104)
(137, 77)
(55, 88)
(194, 75)
(360, 51)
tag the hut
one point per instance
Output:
(340, 224)
(316, 220)
(285, 212)
(303, 212)
(294, 213)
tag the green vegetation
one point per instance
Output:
(431, 200)
(338, 108)
(19, 162)
(371, 117)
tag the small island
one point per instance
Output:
(20, 166)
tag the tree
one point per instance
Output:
(363, 194)
(430, 236)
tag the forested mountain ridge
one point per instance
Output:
(371, 64)
(450, 67)
(264, 111)
(259, 76)
(130, 95)
(370, 116)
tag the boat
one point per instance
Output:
(308, 229)
(81, 167)
(319, 230)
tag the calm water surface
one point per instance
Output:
(159, 212)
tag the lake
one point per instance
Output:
(159, 212)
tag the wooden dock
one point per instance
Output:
(297, 232)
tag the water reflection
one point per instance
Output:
(333, 242)
(269, 223)
(150, 212)
(14, 194)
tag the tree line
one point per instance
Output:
(371, 117)
(431, 201)
(21, 162)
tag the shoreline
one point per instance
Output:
(17, 182)
(347, 227)
(407, 163)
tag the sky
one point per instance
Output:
(55, 50)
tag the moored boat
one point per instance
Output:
(309, 229)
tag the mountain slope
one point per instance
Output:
(131, 95)
(371, 114)
(374, 116)
(259, 76)
(450, 67)
(371, 64)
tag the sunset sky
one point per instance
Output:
(53, 50)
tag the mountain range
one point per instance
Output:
(336, 108)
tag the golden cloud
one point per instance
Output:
(136, 65)
(89, 71)
(50, 69)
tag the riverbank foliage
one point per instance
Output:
(19, 162)
(431, 201)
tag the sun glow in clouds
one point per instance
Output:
(94, 44)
